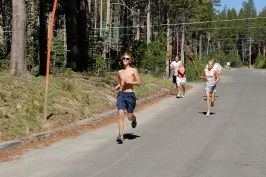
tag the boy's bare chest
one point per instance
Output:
(126, 74)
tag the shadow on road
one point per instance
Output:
(211, 113)
(130, 136)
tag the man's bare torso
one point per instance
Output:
(126, 76)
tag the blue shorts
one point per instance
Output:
(210, 88)
(126, 100)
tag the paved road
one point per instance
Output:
(173, 139)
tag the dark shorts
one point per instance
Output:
(174, 79)
(126, 100)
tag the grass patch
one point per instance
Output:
(70, 98)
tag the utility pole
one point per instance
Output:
(249, 52)
(167, 63)
(177, 41)
(243, 53)
(182, 43)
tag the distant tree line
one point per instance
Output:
(89, 36)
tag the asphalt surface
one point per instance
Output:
(173, 138)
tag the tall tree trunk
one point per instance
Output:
(107, 29)
(101, 17)
(18, 64)
(83, 23)
(137, 36)
(149, 22)
(200, 48)
(72, 32)
(209, 39)
(95, 14)
(43, 38)
(6, 12)
(77, 15)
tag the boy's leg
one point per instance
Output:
(178, 89)
(213, 96)
(121, 116)
(183, 89)
(212, 99)
(133, 119)
(208, 102)
(131, 104)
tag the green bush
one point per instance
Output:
(155, 56)
(235, 61)
(192, 69)
(260, 62)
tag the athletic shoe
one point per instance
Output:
(207, 114)
(212, 104)
(183, 96)
(178, 96)
(134, 122)
(120, 139)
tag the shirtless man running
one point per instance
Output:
(126, 99)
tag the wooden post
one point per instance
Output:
(48, 58)
(177, 43)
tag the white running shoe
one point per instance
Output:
(207, 114)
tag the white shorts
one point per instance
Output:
(181, 81)
(211, 88)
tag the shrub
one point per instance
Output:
(260, 62)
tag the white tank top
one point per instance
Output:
(210, 77)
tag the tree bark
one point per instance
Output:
(6, 12)
(149, 22)
(84, 25)
(43, 38)
(107, 29)
(72, 32)
(77, 24)
(18, 66)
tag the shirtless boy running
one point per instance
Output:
(126, 99)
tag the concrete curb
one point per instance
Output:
(15, 143)
(10, 144)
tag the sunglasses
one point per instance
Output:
(125, 58)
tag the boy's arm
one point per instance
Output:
(136, 79)
(217, 76)
(171, 66)
(203, 75)
(117, 87)
(181, 70)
